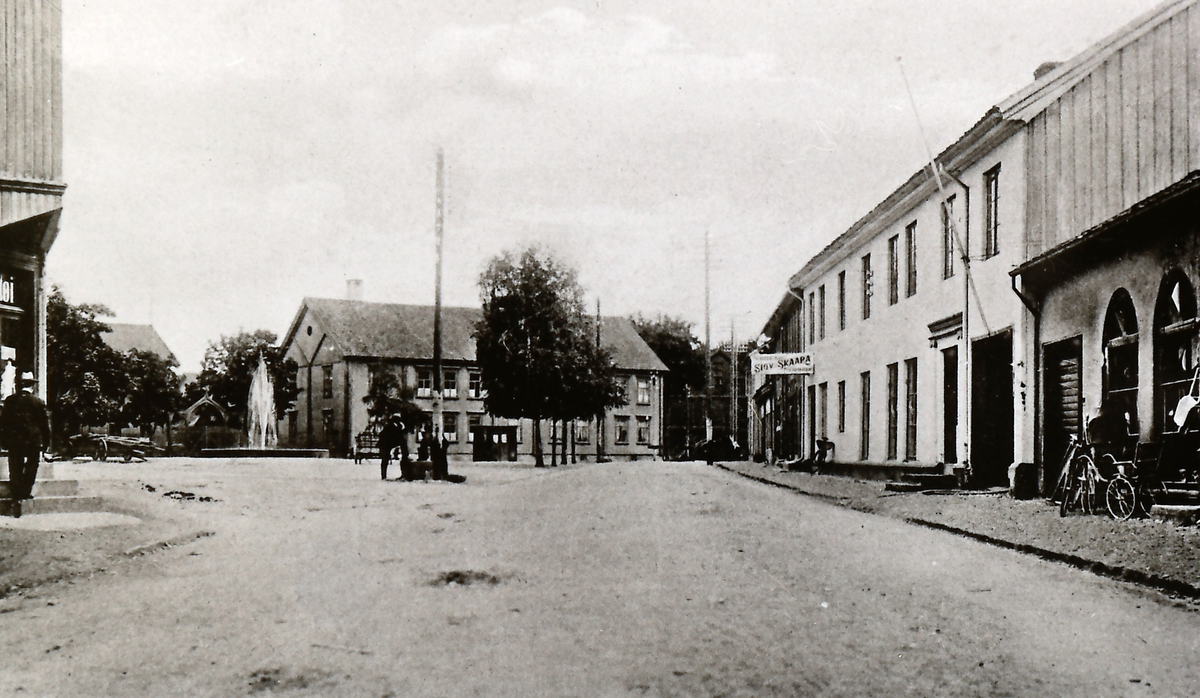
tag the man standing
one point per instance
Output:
(24, 431)
(391, 436)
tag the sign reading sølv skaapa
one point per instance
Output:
(781, 364)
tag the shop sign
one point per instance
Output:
(8, 290)
(781, 364)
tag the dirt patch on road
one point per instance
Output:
(465, 578)
(277, 680)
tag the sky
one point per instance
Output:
(226, 158)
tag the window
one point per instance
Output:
(821, 309)
(823, 407)
(621, 423)
(327, 430)
(450, 384)
(866, 286)
(910, 254)
(583, 432)
(475, 385)
(842, 300)
(893, 388)
(1175, 332)
(450, 426)
(424, 383)
(327, 382)
(812, 318)
(1120, 371)
(910, 409)
(991, 212)
(643, 391)
(948, 238)
(841, 398)
(474, 421)
(893, 270)
(643, 426)
(864, 437)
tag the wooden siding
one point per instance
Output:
(1126, 131)
(31, 104)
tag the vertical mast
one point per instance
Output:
(708, 435)
(437, 318)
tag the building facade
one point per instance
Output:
(338, 344)
(1071, 200)
(31, 184)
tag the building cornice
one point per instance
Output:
(32, 186)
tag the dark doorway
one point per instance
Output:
(1064, 404)
(991, 410)
(950, 403)
(493, 443)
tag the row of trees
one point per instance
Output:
(90, 384)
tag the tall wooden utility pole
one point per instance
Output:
(708, 430)
(599, 416)
(438, 451)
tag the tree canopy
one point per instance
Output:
(536, 345)
(387, 395)
(153, 390)
(676, 344)
(229, 365)
(86, 379)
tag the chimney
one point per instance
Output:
(354, 290)
(1044, 68)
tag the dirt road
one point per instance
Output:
(645, 579)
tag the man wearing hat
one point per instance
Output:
(24, 431)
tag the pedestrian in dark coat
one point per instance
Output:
(25, 432)
(390, 437)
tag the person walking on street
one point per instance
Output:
(25, 432)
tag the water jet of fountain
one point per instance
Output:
(260, 409)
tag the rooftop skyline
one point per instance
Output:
(225, 160)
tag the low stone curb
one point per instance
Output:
(1126, 574)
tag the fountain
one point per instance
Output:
(262, 425)
(260, 409)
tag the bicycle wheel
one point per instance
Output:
(1072, 488)
(1090, 485)
(1121, 498)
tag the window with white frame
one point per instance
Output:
(424, 383)
(643, 391)
(475, 385)
(450, 426)
(991, 212)
(474, 421)
(450, 384)
(621, 424)
(643, 429)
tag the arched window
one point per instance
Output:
(1175, 354)
(1121, 361)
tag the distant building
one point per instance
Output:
(31, 186)
(337, 344)
(126, 337)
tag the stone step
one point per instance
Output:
(1182, 514)
(44, 488)
(54, 505)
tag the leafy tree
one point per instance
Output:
(229, 366)
(387, 396)
(676, 344)
(534, 344)
(86, 378)
(153, 390)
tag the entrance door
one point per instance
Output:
(1063, 409)
(991, 410)
(950, 403)
(493, 443)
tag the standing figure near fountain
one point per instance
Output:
(260, 409)
(393, 436)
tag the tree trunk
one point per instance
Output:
(538, 461)
(553, 443)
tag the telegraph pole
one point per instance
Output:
(438, 452)
(708, 430)
(600, 436)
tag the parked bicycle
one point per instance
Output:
(1080, 483)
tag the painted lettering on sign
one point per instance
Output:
(8, 291)
(781, 364)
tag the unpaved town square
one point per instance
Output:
(633, 579)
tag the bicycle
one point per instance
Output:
(1080, 481)
(1136, 487)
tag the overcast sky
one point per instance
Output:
(226, 158)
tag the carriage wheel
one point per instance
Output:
(1121, 498)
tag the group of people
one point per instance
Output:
(394, 436)
(25, 433)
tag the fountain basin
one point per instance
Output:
(249, 452)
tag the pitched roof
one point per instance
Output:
(363, 329)
(126, 337)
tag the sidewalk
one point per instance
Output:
(1143, 551)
